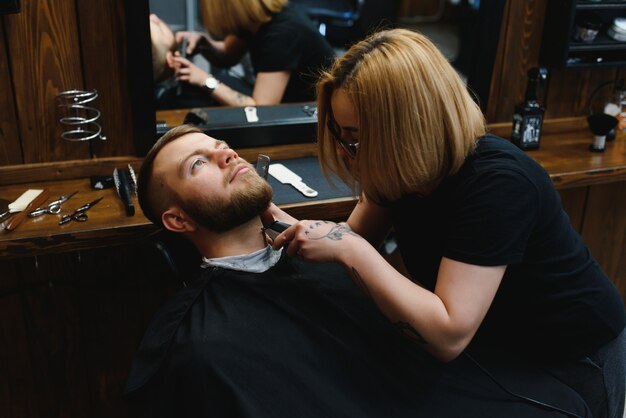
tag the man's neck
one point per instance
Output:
(244, 239)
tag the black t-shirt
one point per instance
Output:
(300, 340)
(290, 42)
(501, 208)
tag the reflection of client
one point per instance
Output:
(169, 93)
(260, 335)
(286, 50)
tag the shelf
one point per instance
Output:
(594, 5)
(601, 43)
(560, 50)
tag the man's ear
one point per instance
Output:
(177, 221)
(169, 60)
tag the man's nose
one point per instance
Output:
(225, 156)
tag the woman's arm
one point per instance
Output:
(443, 322)
(370, 221)
(268, 88)
(224, 53)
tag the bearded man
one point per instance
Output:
(259, 334)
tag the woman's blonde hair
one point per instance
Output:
(227, 17)
(417, 120)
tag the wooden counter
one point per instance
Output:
(564, 155)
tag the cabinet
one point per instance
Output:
(562, 49)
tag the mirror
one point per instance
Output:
(466, 31)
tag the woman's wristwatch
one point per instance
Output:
(211, 83)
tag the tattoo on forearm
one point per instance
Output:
(240, 98)
(336, 233)
(407, 329)
(359, 282)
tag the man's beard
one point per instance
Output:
(224, 214)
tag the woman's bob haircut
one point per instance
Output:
(228, 17)
(417, 121)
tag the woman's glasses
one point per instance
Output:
(349, 148)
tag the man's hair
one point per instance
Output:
(417, 120)
(228, 17)
(153, 193)
(160, 69)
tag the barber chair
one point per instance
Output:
(336, 19)
(343, 13)
(179, 255)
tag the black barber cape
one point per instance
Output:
(300, 340)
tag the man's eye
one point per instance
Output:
(196, 164)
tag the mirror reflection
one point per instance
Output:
(265, 52)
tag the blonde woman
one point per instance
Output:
(497, 273)
(286, 50)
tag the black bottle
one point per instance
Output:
(528, 116)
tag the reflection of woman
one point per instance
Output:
(478, 223)
(285, 48)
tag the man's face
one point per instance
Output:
(210, 183)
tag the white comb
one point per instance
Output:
(23, 201)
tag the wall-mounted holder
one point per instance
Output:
(78, 118)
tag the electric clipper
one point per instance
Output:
(262, 169)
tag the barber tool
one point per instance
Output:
(53, 207)
(35, 199)
(101, 182)
(79, 215)
(133, 178)
(182, 50)
(123, 186)
(286, 176)
(20, 203)
(262, 165)
(275, 228)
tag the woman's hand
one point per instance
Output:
(189, 72)
(274, 213)
(319, 241)
(193, 39)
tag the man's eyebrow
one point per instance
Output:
(198, 151)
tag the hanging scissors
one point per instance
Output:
(53, 207)
(79, 214)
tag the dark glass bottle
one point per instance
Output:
(528, 116)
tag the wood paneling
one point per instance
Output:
(604, 230)
(105, 69)
(10, 152)
(569, 91)
(70, 326)
(518, 50)
(574, 201)
(45, 59)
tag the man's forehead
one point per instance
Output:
(171, 154)
(193, 140)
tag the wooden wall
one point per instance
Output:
(519, 50)
(69, 326)
(57, 45)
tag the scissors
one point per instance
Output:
(53, 207)
(79, 214)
